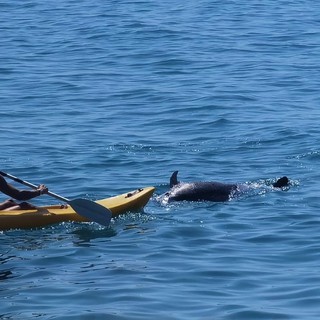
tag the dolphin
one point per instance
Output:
(208, 191)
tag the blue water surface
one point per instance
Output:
(99, 98)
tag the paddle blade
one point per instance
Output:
(91, 210)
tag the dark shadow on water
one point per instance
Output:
(84, 235)
(5, 274)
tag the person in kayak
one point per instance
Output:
(20, 195)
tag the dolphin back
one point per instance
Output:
(201, 191)
(208, 191)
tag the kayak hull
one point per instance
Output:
(43, 216)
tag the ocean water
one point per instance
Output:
(99, 98)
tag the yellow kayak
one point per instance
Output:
(43, 216)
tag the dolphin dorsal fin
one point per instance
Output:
(174, 179)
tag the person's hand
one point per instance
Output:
(42, 189)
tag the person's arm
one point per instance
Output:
(20, 195)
